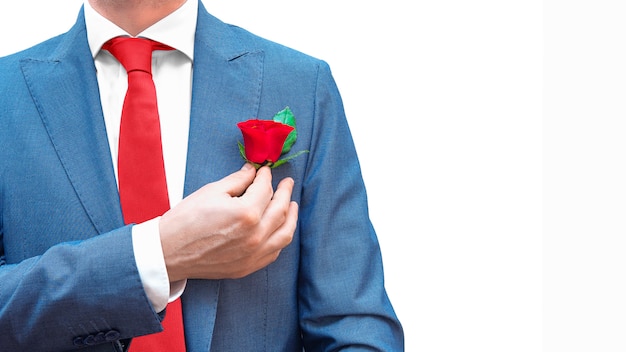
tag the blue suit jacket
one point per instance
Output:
(67, 272)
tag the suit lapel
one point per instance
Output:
(226, 90)
(65, 90)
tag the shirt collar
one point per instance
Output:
(176, 30)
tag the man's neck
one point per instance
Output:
(134, 16)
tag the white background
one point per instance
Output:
(490, 136)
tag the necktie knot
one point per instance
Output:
(135, 54)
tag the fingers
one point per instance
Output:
(278, 215)
(260, 192)
(281, 199)
(284, 234)
(275, 243)
(281, 213)
(236, 183)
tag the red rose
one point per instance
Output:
(264, 139)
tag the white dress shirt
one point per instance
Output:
(172, 74)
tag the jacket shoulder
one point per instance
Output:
(275, 51)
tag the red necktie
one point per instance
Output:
(141, 172)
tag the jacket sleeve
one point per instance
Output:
(343, 302)
(75, 294)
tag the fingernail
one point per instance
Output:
(247, 166)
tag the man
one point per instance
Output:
(269, 260)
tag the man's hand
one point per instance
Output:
(229, 228)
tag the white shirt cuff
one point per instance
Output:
(151, 265)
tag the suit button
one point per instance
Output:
(112, 335)
(99, 338)
(78, 341)
(90, 340)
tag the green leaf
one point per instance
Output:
(286, 117)
(242, 151)
(282, 161)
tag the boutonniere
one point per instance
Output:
(264, 141)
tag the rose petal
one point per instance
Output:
(263, 139)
